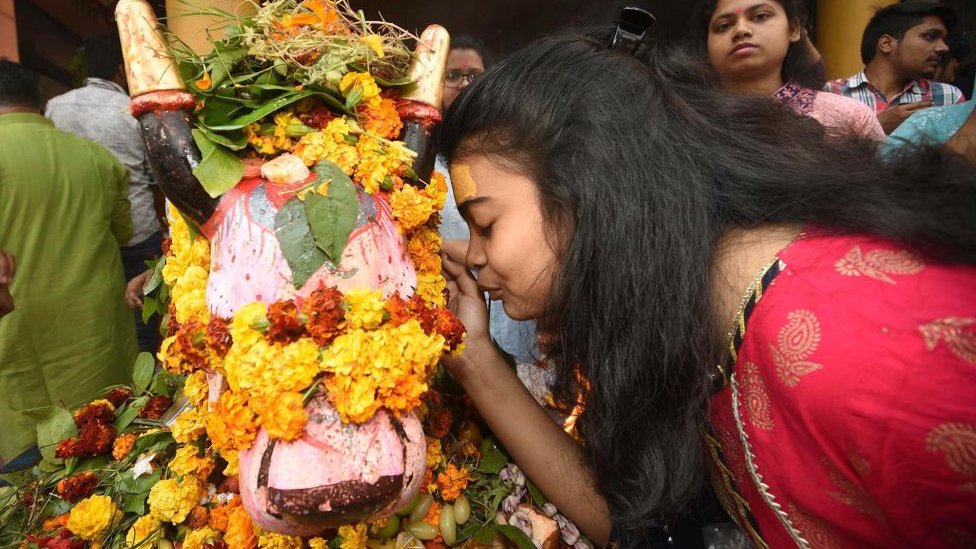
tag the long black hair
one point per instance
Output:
(798, 65)
(641, 166)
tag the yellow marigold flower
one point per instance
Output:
(424, 246)
(430, 287)
(353, 537)
(365, 308)
(231, 425)
(195, 539)
(183, 252)
(144, 532)
(363, 83)
(374, 42)
(196, 388)
(382, 120)
(123, 445)
(453, 481)
(187, 462)
(240, 530)
(189, 426)
(380, 163)
(172, 499)
(283, 415)
(189, 294)
(318, 543)
(92, 516)
(233, 462)
(434, 453)
(262, 144)
(411, 207)
(271, 540)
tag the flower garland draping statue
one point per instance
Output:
(298, 117)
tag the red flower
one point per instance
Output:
(318, 118)
(283, 323)
(119, 396)
(96, 412)
(77, 487)
(217, 335)
(449, 326)
(440, 422)
(325, 314)
(95, 439)
(156, 407)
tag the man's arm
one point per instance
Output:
(121, 224)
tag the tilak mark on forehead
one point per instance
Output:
(464, 184)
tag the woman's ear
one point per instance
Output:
(796, 30)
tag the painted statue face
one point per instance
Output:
(749, 38)
(919, 53)
(508, 243)
(463, 65)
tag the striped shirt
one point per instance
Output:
(859, 88)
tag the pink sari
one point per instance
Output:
(848, 418)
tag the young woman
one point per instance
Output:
(759, 47)
(640, 216)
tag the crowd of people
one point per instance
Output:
(755, 286)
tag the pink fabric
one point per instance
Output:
(841, 116)
(849, 420)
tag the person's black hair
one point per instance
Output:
(18, 86)
(641, 167)
(896, 19)
(103, 55)
(466, 42)
(958, 49)
(798, 64)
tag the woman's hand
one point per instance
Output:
(466, 301)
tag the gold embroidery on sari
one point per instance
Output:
(817, 532)
(797, 341)
(758, 407)
(957, 333)
(851, 494)
(878, 264)
(957, 441)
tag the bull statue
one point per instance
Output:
(336, 472)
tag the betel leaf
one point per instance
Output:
(130, 413)
(234, 140)
(218, 170)
(515, 535)
(332, 217)
(297, 243)
(493, 459)
(54, 424)
(142, 371)
(274, 105)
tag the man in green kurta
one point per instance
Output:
(64, 212)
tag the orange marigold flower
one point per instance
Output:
(284, 325)
(119, 396)
(382, 120)
(123, 445)
(449, 326)
(433, 515)
(220, 514)
(325, 313)
(240, 530)
(452, 482)
(155, 407)
(99, 411)
(198, 518)
(440, 422)
(77, 487)
(398, 309)
(231, 424)
(56, 523)
(283, 415)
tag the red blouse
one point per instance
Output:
(849, 419)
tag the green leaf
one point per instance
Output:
(130, 485)
(156, 278)
(142, 371)
(234, 140)
(152, 442)
(218, 170)
(136, 503)
(515, 535)
(54, 424)
(332, 217)
(223, 61)
(92, 464)
(354, 97)
(493, 459)
(130, 413)
(276, 104)
(296, 241)
(537, 498)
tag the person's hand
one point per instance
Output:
(466, 301)
(8, 265)
(133, 290)
(893, 116)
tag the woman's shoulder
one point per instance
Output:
(846, 113)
